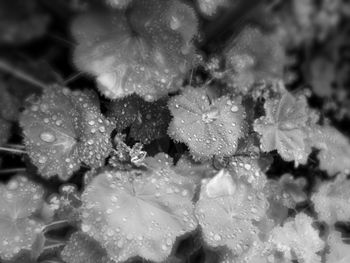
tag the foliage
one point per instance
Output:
(176, 131)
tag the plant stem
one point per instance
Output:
(54, 246)
(12, 150)
(6, 67)
(13, 170)
(17, 146)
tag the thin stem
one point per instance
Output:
(5, 66)
(12, 150)
(54, 246)
(13, 170)
(72, 78)
(17, 146)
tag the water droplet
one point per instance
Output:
(234, 108)
(47, 137)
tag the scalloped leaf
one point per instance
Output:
(147, 120)
(254, 57)
(81, 248)
(285, 128)
(331, 200)
(334, 148)
(297, 238)
(146, 53)
(208, 127)
(226, 209)
(139, 212)
(19, 200)
(63, 129)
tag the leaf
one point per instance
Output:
(298, 237)
(19, 200)
(331, 200)
(83, 249)
(339, 252)
(147, 120)
(208, 127)
(284, 128)
(284, 194)
(226, 209)
(334, 148)
(247, 169)
(254, 57)
(139, 212)
(146, 52)
(62, 129)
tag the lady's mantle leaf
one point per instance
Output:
(226, 209)
(339, 252)
(284, 128)
(147, 120)
(84, 249)
(208, 128)
(331, 200)
(299, 238)
(19, 200)
(146, 52)
(63, 129)
(334, 148)
(140, 212)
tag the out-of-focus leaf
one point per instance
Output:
(331, 200)
(147, 52)
(298, 240)
(19, 200)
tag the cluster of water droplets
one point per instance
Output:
(139, 213)
(150, 64)
(62, 129)
(208, 128)
(19, 200)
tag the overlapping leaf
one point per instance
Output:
(81, 248)
(62, 129)
(331, 200)
(339, 252)
(208, 127)
(226, 209)
(147, 52)
(19, 200)
(147, 120)
(285, 128)
(253, 57)
(297, 239)
(334, 149)
(139, 213)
